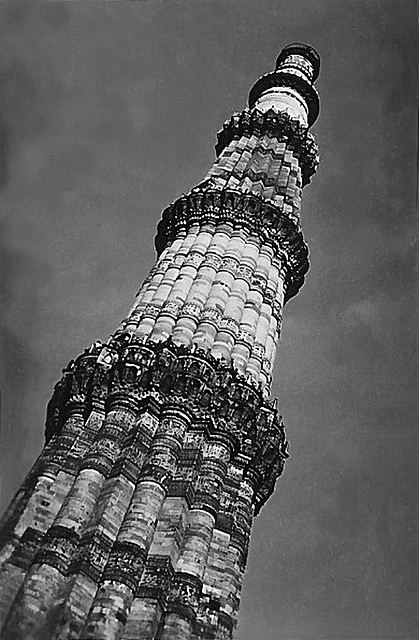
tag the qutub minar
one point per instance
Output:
(162, 444)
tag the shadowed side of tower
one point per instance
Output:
(162, 444)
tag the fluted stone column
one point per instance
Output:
(111, 606)
(192, 560)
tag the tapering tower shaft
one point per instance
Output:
(163, 443)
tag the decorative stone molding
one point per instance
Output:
(125, 564)
(184, 595)
(156, 579)
(29, 544)
(256, 215)
(281, 78)
(58, 547)
(280, 125)
(91, 555)
(232, 408)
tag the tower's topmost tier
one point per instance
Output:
(290, 86)
(300, 59)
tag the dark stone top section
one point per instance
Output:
(303, 50)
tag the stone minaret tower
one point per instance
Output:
(162, 444)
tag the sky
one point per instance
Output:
(108, 112)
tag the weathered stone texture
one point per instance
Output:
(162, 444)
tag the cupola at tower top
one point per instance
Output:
(290, 87)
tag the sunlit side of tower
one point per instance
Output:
(162, 444)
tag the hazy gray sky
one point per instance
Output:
(108, 112)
